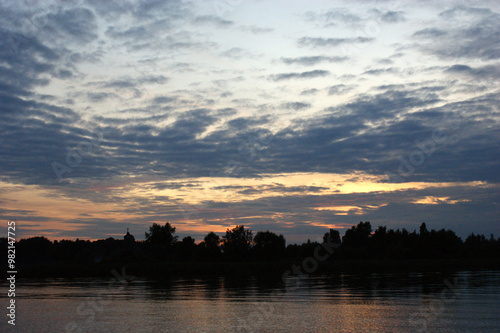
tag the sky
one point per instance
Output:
(288, 116)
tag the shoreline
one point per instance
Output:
(257, 268)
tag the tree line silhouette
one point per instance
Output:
(239, 244)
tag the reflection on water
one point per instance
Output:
(411, 302)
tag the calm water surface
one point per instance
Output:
(411, 302)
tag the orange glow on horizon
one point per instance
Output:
(52, 209)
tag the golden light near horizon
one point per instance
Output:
(430, 200)
(193, 193)
(229, 189)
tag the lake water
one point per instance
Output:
(464, 301)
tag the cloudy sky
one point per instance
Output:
(289, 116)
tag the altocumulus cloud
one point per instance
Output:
(184, 109)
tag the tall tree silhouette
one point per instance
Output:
(358, 235)
(212, 246)
(380, 243)
(332, 236)
(423, 230)
(186, 248)
(237, 242)
(268, 245)
(161, 238)
(357, 240)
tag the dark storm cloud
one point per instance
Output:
(313, 60)
(302, 75)
(331, 42)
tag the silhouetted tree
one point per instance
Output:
(161, 234)
(161, 243)
(332, 236)
(355, 243)
(237, 242)
(268, 245)
(474, 245)
(423, 230)
(161, 238)
(358, 235)
(212, 246)
(439, 245)
(380, 243)
(477, 246)
(34, 249)
(186, 248)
